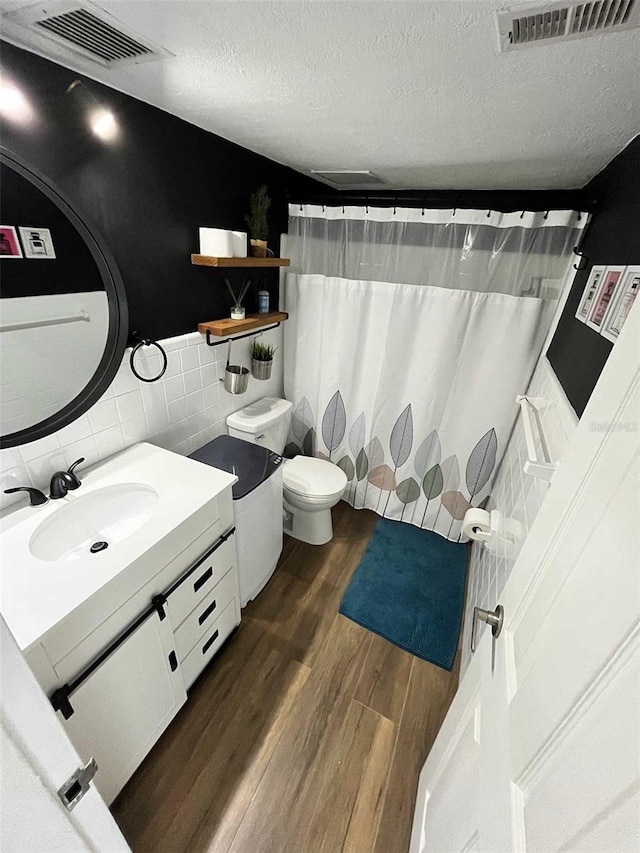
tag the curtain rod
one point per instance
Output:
(480, 199)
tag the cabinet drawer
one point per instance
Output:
(209, 644)
(201, 581)
(87, 631)
(205, 614)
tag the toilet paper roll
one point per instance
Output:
(476, 524)
(239, 244)
(216, 242)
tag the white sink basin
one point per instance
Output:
(90, 523)
(142, 502)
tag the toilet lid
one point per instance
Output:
(305, 475)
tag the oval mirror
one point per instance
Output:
(63, 309)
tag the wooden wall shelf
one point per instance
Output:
(227, 326)
(211, 261)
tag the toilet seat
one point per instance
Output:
(313, 478)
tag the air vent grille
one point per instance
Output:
(566, 21)
(93, 35)
(81, 28)
(347, 178)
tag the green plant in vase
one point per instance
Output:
(259, 204)
(262, 360)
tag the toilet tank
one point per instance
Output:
(265, 422)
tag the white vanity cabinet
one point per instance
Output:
(122, 708)
(118, 667)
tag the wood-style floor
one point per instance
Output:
(307, 733)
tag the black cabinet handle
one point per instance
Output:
(203, 579)
(173, 661)
(210, 642)
(206, 613)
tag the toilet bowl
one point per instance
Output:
(311, 486)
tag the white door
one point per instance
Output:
(540, 750)
(37, 758)
(122, 708)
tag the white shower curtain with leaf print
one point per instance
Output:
(410, 334)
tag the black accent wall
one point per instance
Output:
(148, 192)
(578, 353)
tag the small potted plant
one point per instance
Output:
(262, 360)
(259, 204)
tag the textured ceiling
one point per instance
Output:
(415, 91)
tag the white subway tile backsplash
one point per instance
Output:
(129, 405)
(192, 381)
(153, 394)
(195, 403)
(135, 430)
(174, 388)
(189, 359)
(109, 441)
(174, 413)
(85, 449)
(104, 415)
(177, 410)
(30, 451)
(157, 419)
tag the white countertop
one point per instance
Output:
(36, 594)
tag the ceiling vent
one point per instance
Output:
(527, 26)
(344, 178)
(82, 29)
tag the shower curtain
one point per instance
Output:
(411, 332)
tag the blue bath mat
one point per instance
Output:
(409, 588)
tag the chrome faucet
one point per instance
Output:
(64, 481)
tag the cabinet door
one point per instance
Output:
(121, 710)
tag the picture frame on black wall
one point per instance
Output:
(9, 243)
(589, 293)
(37, 242)
(605, 296)
(618, 311)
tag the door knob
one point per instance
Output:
(495, 618)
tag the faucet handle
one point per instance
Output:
(75, 481)
(36, 497)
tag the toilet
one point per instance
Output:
(311, 486)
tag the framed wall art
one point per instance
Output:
(604, 297)
(618, 311)
(9, 243)
(37, 242)
(589, 293)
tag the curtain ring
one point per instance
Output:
(546, 216)
(579, 216)
(323, 208)
(343, 209)
(488, 214)
(522, 215)
(301, 208)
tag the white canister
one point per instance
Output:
(216, 242)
